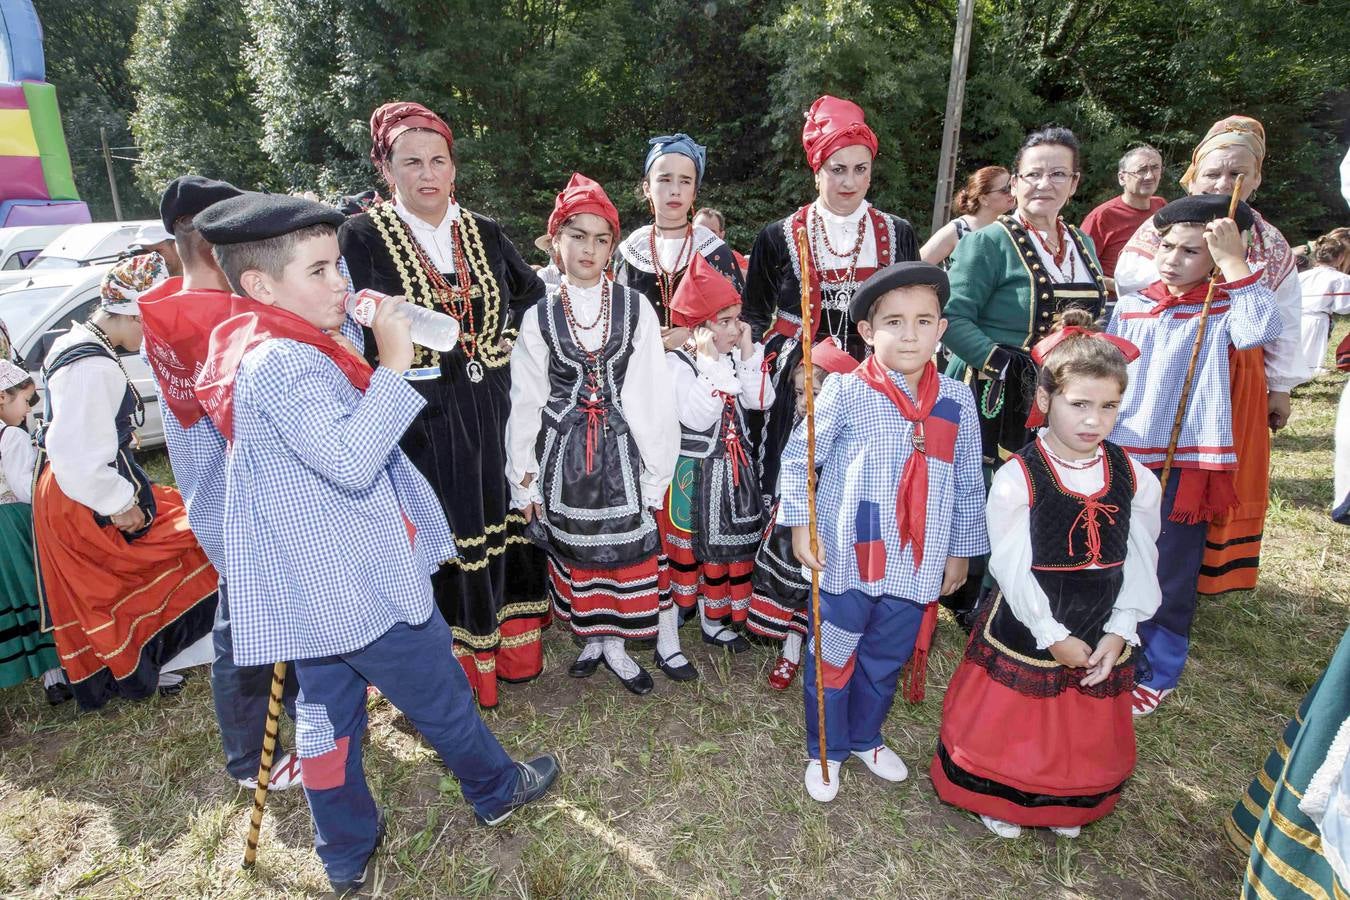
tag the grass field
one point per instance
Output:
(696, 791)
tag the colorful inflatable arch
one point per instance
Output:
(37, 186)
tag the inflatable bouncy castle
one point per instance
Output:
(37, 186)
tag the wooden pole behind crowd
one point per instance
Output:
(951, 121)
(808, 334)
(1184, 400)
(265, 764)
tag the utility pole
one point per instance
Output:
(112, 176)
(951, 122)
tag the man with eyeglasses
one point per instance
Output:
(1112, 224)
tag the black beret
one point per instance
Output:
(188, 195)
(1202, 209)
(897, 275)
(258, 217)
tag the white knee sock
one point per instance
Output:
(668, 632)
(792, 647)
(710, 628)
(618, 658)
(594, 647)
(53, 676)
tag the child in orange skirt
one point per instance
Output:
(1037, 727)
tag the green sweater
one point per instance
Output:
(1001, 294)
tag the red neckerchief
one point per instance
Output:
(249, 324)
(911, 498)
(1163, 300)
(884, 253)
(177, 325)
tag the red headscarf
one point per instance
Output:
(825, 354)
(392, 119)
(702, 294)
(831, 125)
(582, 196)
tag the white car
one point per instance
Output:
(19, 244)
(42, 307)
(80, 245)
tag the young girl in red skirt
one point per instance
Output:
(1037, 727)
(592, 440)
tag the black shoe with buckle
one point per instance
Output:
(735, 644)
(685, 671)
(639, 684)
(585, 668)
(354, 885)
(536, 777)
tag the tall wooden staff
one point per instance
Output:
(1185, 398)
(808, 335)
(265, 764)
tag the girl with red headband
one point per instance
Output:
(847, 240)
(592, 439)
(1036, 725)
(424, 246)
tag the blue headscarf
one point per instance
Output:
(682, 144)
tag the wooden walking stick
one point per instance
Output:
(265, 764)
(808, 335)
(1185, 398)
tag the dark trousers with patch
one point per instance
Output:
(865, 642)
(414, 669)
(1167, 636)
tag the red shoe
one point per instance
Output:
(783, 672)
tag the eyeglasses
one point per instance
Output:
(1142, 171)
(1058, 178)
(1006, 189)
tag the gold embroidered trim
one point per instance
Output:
(1028, 660)
(497, 550)
(511, 518)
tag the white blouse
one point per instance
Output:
(436, 239)
(81, 438)
(1075, 268)
(843, 234)
(17, 456)
(698, 395)
(646, 397)
(1008, 516)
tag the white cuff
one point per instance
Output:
(1124, 622)
(1047, 632)
(522, 497)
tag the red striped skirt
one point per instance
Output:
(726, 587)
(620, 602)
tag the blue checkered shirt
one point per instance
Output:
(197, 457)
(317, 551)
(1247, 316)
(862, 445)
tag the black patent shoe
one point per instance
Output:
(683, 672)
(639, 684)
(734, 644)
(536, 777)
(585, 668)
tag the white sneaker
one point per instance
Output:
(815, 784)
(1070, 832)
(285, 774)
(1001, 828)
(1144, 700)
(884, 763)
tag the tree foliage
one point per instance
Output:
(278, 93)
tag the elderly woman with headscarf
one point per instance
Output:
(424, 246)
(847, 239)
(653, 259)
(128, 594)
(1261, 377)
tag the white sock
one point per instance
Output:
(594, 647)
(792, 647)
(54, 676)
(169, 679)
(618, 658)
(710, 628)
(668, 632)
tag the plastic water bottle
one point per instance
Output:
(431, 329)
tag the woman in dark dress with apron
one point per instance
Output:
(424, 246)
